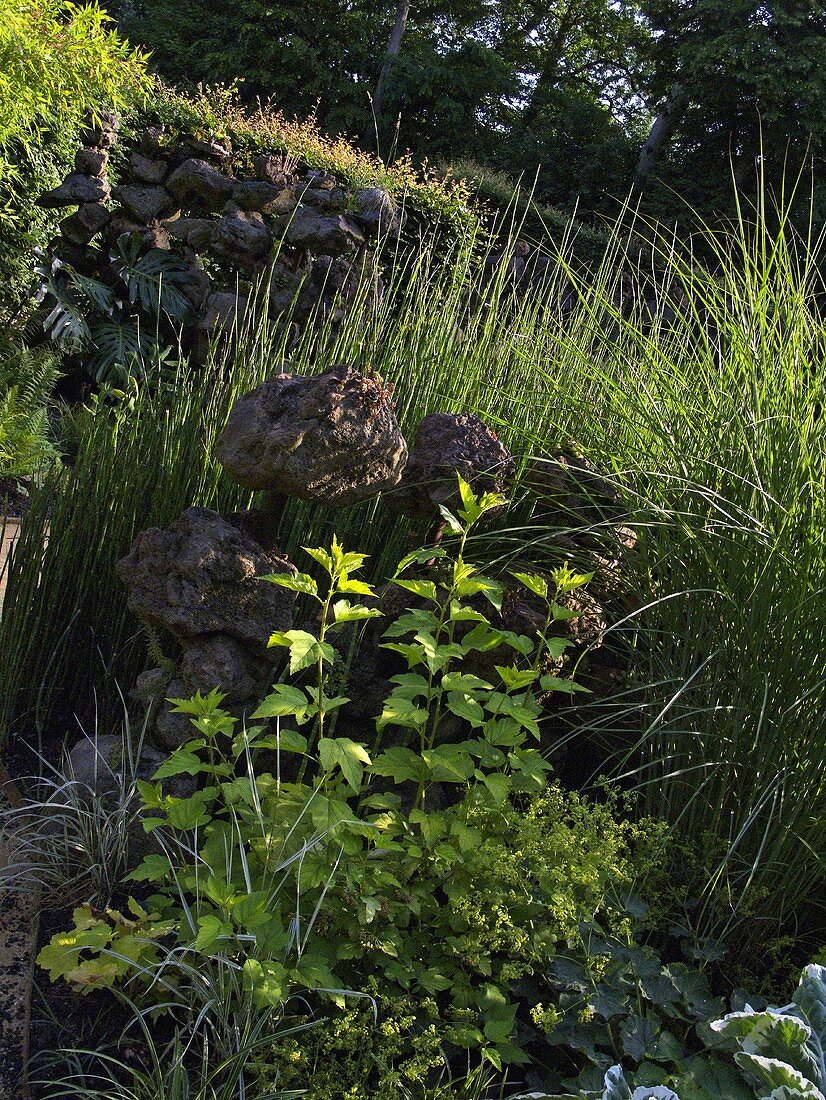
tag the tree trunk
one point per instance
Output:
(658, 136)
(393, 48)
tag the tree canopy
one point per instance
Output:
(568, 88)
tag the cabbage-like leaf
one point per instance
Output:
(770, 1074)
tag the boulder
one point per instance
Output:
(199, 233)
(74, 190)
(574, 497)
(263, 196)
(146, 203)
(148, 169)
(216, 660)
(91, 162)
(196, 182)
(333, 201)
(331, 438)
(446, 445)
(201, 576)
(272, 167)
(87, 221)
(377, 213)
(243, 236)
(313, 231)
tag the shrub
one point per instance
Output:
(433, 875)
(58, 61)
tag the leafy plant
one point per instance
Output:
(436, 874)
(26, 382)
(782, 1051)
(120, 325)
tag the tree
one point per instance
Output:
(752, 89)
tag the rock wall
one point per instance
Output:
(231, 218)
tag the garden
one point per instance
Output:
(412, 617)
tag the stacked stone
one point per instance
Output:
(301, 227)
(86, 187)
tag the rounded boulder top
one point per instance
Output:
(332, 438)
(448, 444)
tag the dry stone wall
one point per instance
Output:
(233, 220)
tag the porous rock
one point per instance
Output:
(333, 236)
(201, 576)
(101, 132)
(195, 180)
(331, 438)
(87, 221)
(74, 190)
(91, 162)
(263, 196)
(448, 444)
(146, 203)
(217, 660)
(573, 496)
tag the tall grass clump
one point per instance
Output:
(67, 642)
(704, 399)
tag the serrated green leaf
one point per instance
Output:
(302, 582)
(349, 756)
(534, 582)
(425, 589)
(345, 612)
(449, 764)
(400, 765)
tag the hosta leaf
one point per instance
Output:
(810, 996)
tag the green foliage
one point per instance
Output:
(436, 891)
(117, 328)
(58, 61)
(26, 382)
(779, 1051)
(782, 1052)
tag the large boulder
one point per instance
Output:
(146, 203)
(74, 190)
(197, 183)
(86, 222)
(331, 438)
(334, 236)
(448, 444)
(242, 236)
(263, 196)
(202, 576)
